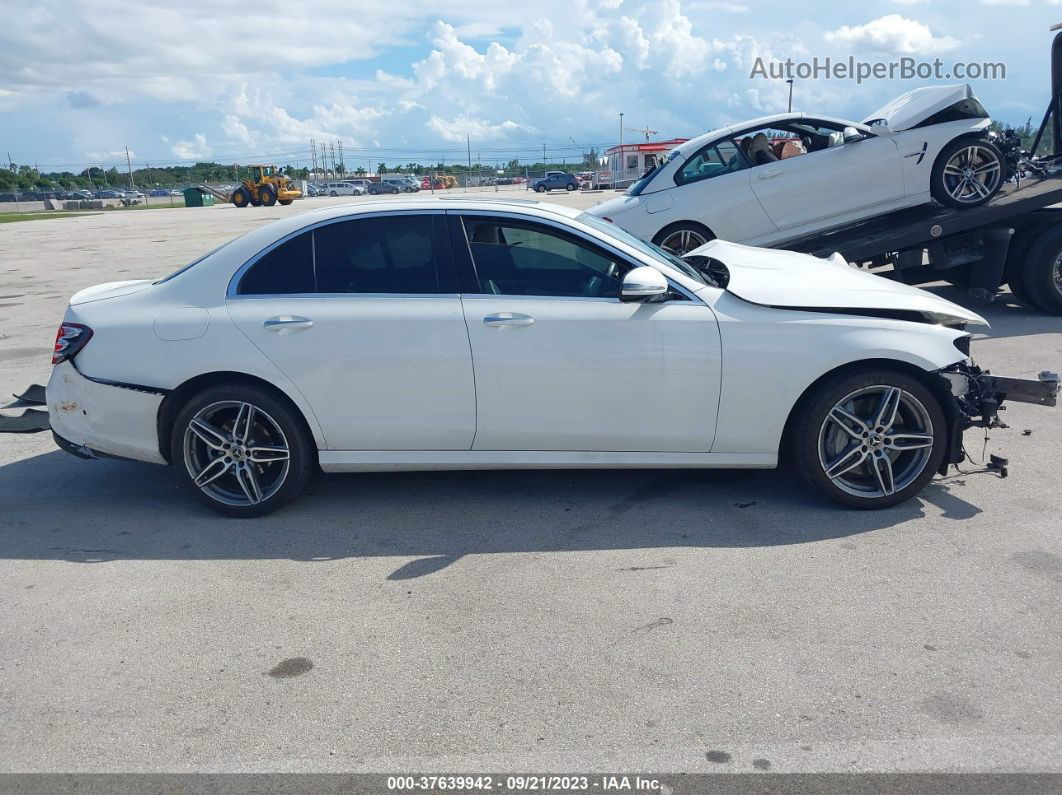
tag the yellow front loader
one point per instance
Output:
(267, 186)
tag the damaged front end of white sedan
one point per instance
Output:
(785, 280)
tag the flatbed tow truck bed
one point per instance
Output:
(1015, 239)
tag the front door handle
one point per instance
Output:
(508, 319)
(282, 324)
(769, 174)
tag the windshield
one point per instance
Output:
(655, 252)
(643, 181)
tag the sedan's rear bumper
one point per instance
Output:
(101, 418)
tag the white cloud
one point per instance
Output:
(714, 5)
(1011, 2)
(910, 2)
(192, 150)
(892, 34)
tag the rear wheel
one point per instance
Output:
(683, 237)
(1043, 269)
(968, 172)
(286, 201)
(871, 438)
(267, 196)
(569, 186)
(332, 193)
(240, 450)
(241, 197)
(1014, 270)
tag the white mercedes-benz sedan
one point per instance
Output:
(465, 334)
(774, 179)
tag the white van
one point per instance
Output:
(340, 189)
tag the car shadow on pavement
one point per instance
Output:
(56, 507)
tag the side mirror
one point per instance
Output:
(851, 135)
(641, 283)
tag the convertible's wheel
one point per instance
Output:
(870, 439)
(682, 238)
(1043, 270)
(240, 450)
(967, 173)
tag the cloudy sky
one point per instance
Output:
(402, 80)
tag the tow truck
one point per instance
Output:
(1015, 239)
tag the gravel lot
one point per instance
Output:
(546, 621)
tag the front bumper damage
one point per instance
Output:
(978, 397)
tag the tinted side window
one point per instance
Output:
(285, 270)
(712, 161)
(513, 258)
(377, 255)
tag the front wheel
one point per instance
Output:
(333, 193)
(540, 189)
(240, 450)
(241, 197)
(569, 187)
(870, 439)
(968, 173)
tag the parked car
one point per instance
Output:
(548, 339)
(79, 195)
(404, 183)
(930, 143)
(382, 186)
(110, 194)
(340, 189)
(555, 180)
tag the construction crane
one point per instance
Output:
(646, 132)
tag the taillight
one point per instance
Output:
(72, 337)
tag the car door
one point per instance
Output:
(561, 363)
(363, 315)
(712, 188)
(836, 180)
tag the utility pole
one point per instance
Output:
(342, 164)
(543, 155)
(790, 81)
(313, 157)
(129, 166)
(619, 156)
(468, 143)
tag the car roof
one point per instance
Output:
(692, 145)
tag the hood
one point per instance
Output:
(790, 280)
(908, 110)
(109, 290)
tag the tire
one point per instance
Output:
(822, 443)
(333, 193)
(540, 188)
(235, 484)
(569, 187)
(1014, 271)
(1042, 269)
(682, 237)
(967, 173)
(241, 197)
(286, 202)
(267, 196)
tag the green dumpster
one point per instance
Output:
(193, 197)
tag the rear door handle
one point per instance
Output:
(282, 324)
(508, 319)
(769, 174)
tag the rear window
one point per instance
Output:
(378, 255)
(286, 270)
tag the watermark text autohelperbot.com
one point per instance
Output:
(905, 68)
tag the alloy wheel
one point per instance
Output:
(236, 453)
(972, 174)
(683, 241)
(875, 441)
